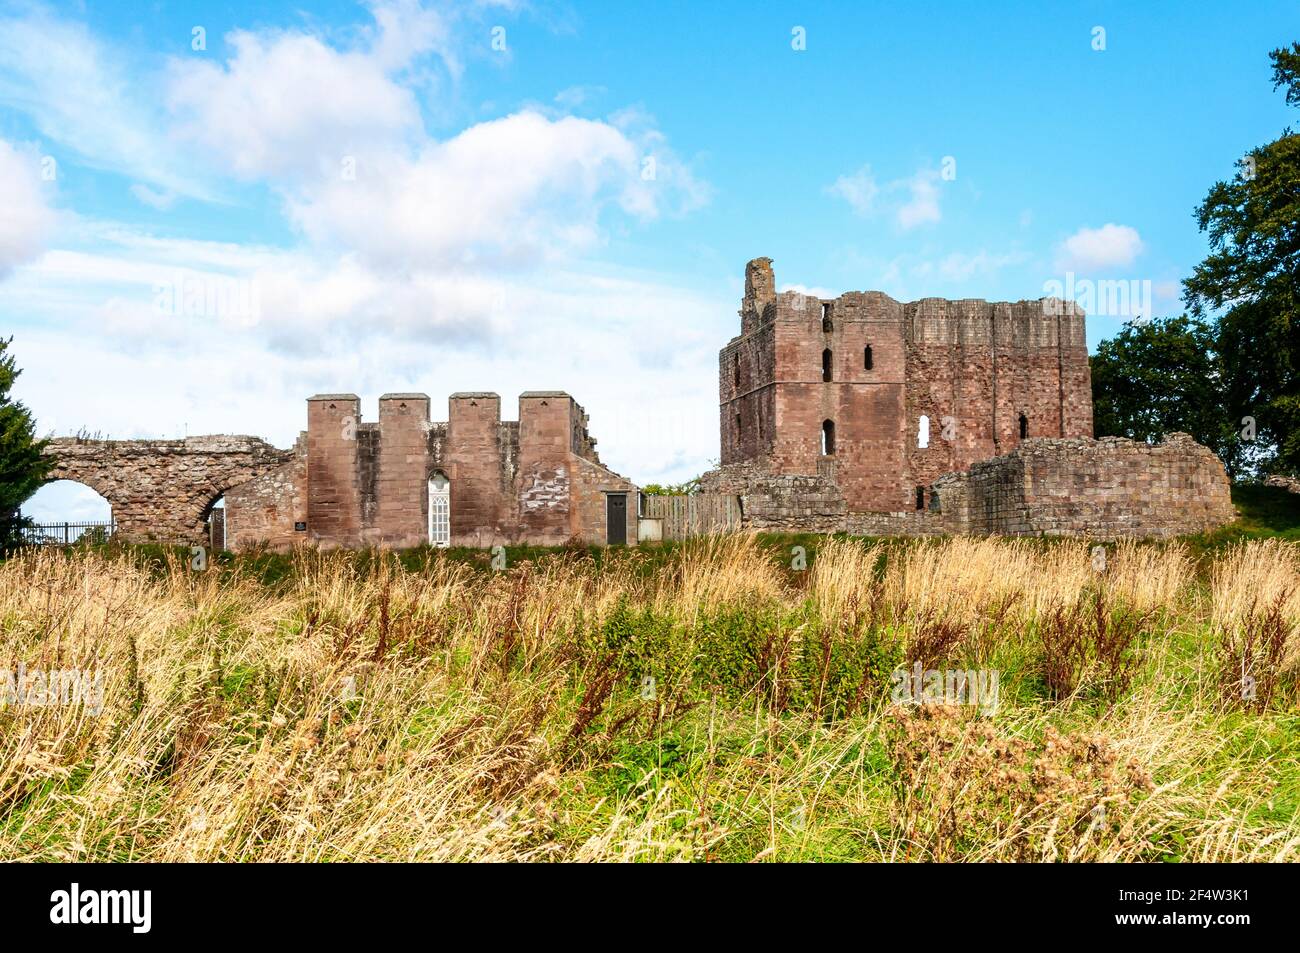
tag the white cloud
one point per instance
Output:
(574, 96)
(26, 221)
(1111, 246)
(289, 104)
(330, 324)
(65, 501)
(509, 191)
(859, 190)
(922, 208)
(863, 194)
(343, 143)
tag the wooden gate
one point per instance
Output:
(693, 515)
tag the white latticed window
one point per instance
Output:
(439, 510)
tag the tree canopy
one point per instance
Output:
(1164, 376)
(1249, 279)
(1228, 373)
(23, 465)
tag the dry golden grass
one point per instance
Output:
(444, 713)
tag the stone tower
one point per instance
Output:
(883, 397)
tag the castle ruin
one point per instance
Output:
(859, 414)
(867, 415)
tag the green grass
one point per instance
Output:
(743, 753)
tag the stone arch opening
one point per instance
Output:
(68, 509)
(164, 490)
(866, 358)
(214, 523)
(827, 365)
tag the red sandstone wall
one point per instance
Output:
(589, 487)
(479, 505)
(546, 465)
(865, 404)
(402, 471)
(746, 377)
(1082, 487)
(538, 480)
(264, 510)
(333, 472)
(980, 364)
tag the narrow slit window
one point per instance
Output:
(736, 370)
(923, 432)
(920, 497)
(739, 432)
(1024, 426)
(827, 361)
(828, 438)
(866, 358)
(827, 324)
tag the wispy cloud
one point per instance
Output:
(85, 97)
(922, 205)
(859, 189)
(910, 202)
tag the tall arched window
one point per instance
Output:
(1024, 426)
(827, 359)
(439, 509)
(828, 437)
(866, 358)
(923, 432)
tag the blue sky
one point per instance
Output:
(410, 206)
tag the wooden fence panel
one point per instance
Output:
(694, 515)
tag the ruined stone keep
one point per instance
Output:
(884, 397)
(864, 414)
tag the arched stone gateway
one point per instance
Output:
(162, 489)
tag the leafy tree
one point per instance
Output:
(1253, 226)
(672, 489)
(23, 466)
(1155, 378)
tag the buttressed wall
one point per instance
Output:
(351, 483)
(883, 396)
(402, 481)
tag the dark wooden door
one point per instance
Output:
(616, 518)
